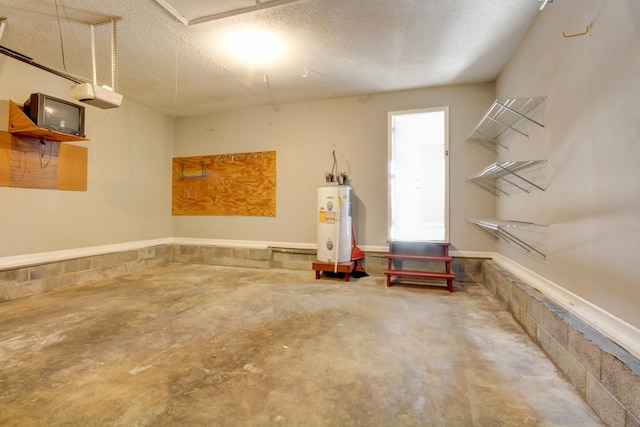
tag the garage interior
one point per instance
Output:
(117, 308)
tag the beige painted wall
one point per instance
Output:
(129, 184)
(304, 135)
(592, 143)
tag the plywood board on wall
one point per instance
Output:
(242, 184)
(5, 158)
(34, 163)
(72, 167)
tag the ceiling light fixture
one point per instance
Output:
(255, 46)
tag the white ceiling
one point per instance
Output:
(332, 48)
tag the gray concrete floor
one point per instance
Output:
(202, 345)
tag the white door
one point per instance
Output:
(418, 171)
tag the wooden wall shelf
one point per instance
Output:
(35, 157)
(20, 124)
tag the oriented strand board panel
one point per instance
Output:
(241, 184)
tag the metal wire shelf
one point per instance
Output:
(508, 172)
(504, 116)
(502, 229)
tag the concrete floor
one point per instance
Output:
(203, 345)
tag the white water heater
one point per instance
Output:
(334, 223)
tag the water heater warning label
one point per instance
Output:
(327, 217)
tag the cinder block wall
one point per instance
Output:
(607, 376)
(35, 279)
(374, 263)
(293, 259)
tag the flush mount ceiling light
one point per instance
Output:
(254, 45)
(191, 12)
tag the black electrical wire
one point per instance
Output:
(42, 147)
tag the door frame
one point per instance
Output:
(447, 175)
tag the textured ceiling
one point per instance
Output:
(332, 48)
